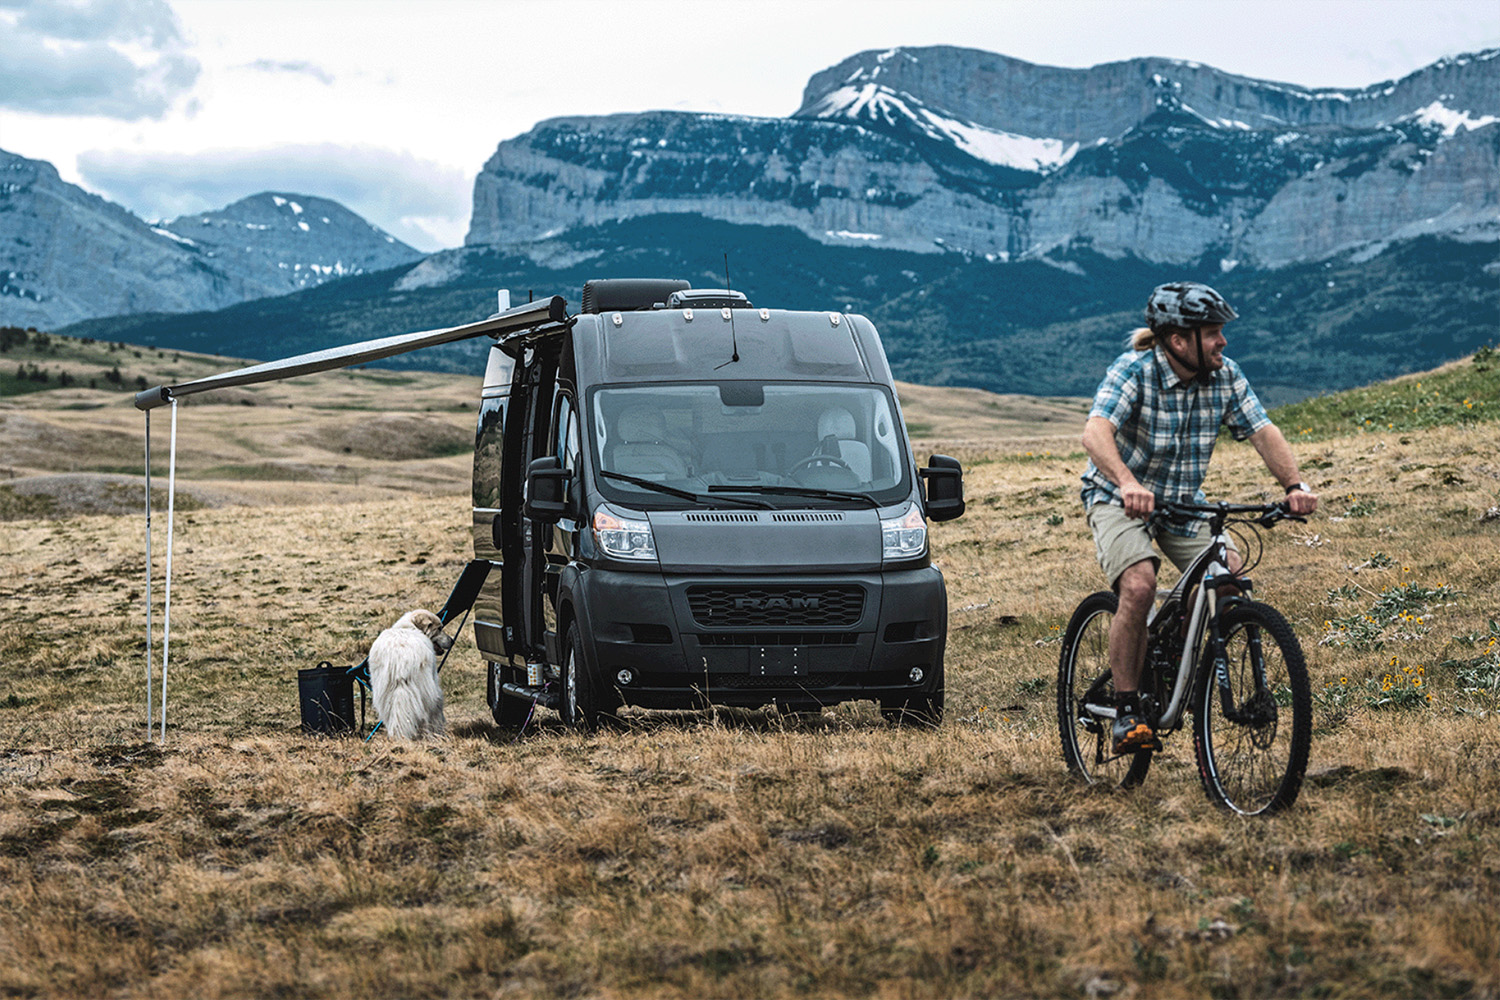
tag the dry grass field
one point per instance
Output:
(729, 854)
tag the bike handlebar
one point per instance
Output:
(1269, 513)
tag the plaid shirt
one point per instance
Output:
(1165, 427)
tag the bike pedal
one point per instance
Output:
(1151, 745)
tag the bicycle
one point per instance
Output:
(1233, 663)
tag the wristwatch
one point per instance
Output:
(1299, 486)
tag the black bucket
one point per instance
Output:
(327, 695)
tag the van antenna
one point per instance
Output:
(734, 344)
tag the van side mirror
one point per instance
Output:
(944, 479)
(546, 490)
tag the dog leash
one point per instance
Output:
(456, 633)
(530, 714)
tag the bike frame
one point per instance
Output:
(1208, 572)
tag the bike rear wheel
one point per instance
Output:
(1252, 740)
(1083, 676)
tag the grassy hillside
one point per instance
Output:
(345, 435)
(36, 361)
(742, 853)
(1464, 392)
(336, 437)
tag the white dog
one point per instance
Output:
(404, 677)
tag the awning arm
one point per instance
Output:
(505, 324)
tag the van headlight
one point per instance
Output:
(903, 536)
(623, 537)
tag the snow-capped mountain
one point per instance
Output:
(1104, 102)
(289, 241)
(877, 106)
(943, 149)
(67, 255)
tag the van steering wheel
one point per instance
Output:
(811, 461)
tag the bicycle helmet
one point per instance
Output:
(1187, 304)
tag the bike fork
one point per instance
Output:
(1221, 674)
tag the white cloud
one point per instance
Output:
(300, 67)
(122, 59)
(420, 202)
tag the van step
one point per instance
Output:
(547, 699)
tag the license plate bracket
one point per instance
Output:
(778, 661)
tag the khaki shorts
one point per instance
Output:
(1121, 541)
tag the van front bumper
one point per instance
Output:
(683, 641)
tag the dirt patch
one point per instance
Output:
(233, 396)
(31, 442)
(392, 437)
(73, 494)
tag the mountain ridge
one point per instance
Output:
(1042, 327)
(1002, 92)
(991, 258)
(68, 255)
(955, 147)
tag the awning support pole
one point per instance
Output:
(166, 624)
(150, 645)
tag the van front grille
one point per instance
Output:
(738, 516)
(807, 515)
(776, 608)
(778, 639)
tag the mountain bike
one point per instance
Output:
(1232, 663)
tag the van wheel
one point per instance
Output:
(924, 709)
(509, 713)
(583, 704)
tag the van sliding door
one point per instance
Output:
(524, 548)
(489, 469)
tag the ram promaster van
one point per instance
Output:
(686, 500)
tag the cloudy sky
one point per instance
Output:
(392, 106)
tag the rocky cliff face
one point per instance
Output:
(811, 174)
(66, 255)
(953, 149)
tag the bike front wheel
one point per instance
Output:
(1253, 729)
(1083, 678)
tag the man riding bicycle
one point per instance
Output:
(1149, 437)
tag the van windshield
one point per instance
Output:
(705, 437)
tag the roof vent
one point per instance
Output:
(708, 298)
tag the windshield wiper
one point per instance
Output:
(672, 491)
(799, 491)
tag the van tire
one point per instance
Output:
(512, 713)
(923, 709)
(583, 703)
(509, 712)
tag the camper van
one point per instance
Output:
(686, 500)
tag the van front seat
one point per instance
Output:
(836, 437)
(642, 450)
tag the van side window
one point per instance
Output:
(489, 443)
(565, 441)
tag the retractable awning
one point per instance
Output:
(512, 321)
(509, 328)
